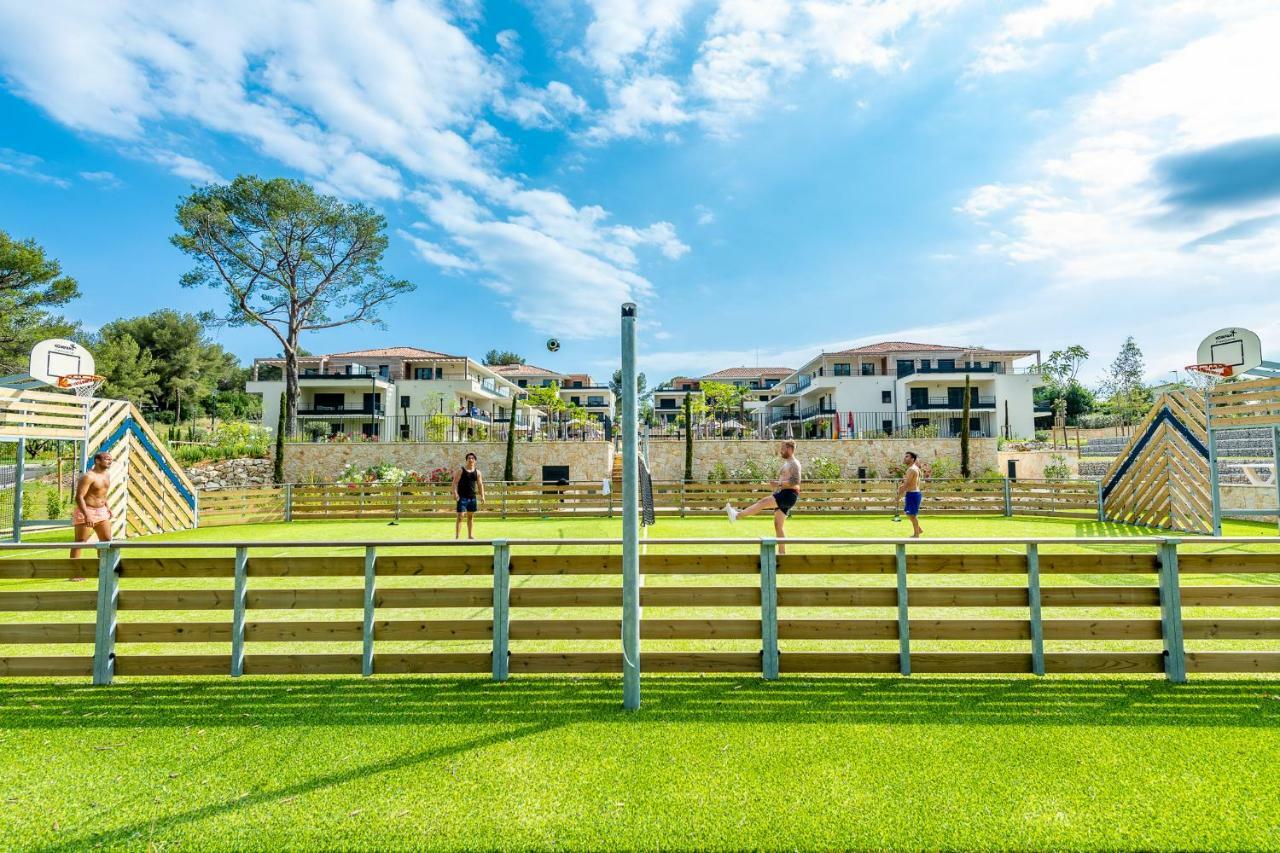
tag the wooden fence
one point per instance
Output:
(500, 603)
(1064, 498)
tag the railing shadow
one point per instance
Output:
(551, 701)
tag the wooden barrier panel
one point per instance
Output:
(461, 605)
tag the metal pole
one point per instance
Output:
(630, 517)
(370, 608)
(1175, 658)
(501, 609)
(1033, 604)
(238, 611)
(19, 476)
(904, 620)
(1275, 467)
(1215, 492)
(769, 607)
(104, 635)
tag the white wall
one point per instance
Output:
(1019, 390)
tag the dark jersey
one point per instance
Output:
(467, 483)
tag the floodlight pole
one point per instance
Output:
(630, 517)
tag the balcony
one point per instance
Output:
(949, 403)
(816, 411)
(341, 412)
(782, 415)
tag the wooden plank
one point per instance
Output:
(315, 664)
(1097, 564)
(1231, 596)
(177, 599)
(971, 662)
(567, 597)
(955, 564)
(650, 629)
(50, 568)
(51, 599)
(24, 633)
(1231, 629)
(171, 664)
(1102, 629)
(439, 629)
(701, 662)
(1228, 563)
(561, 662)
(434, 566)
(837, 629)
(1103, 662)
(844, 564)
(178, 567)
(1233, 661)
(173, 632)
(791, 596)
(1100, 596)
(477, 597)
(706, 596)
(51, 666)
(441, 662)
(838, 661)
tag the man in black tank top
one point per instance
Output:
(468, 492)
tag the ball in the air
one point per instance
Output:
(553, 345)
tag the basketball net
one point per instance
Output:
(82, 384)
(1205, 376)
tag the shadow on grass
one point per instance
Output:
(551, 701)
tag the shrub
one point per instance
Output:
(315, 431)
(436, 428)
(719, 473)
(926, 431)
(945, 469)
(823, 468)
(54, 505)
(1057, 469)
(750, 471)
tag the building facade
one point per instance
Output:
(390, 394)
(761, 384)
(898, 387)
(577, 389)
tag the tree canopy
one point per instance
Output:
(1125, 384)
(286, 258)
(31, 283)
(495, 358)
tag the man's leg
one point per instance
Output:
(915, 525)
(780, 529)
(759, 506)
(457, 527)
(470, 521)
(82, 532)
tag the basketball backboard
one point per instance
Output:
(1238, 348)
(57, 357)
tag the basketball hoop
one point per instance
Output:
(1208, 374)
(83, 384)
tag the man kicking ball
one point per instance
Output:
(468, 492)
(781, 501)
(910, 493)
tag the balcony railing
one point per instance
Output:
(949, 403)
(477, 427)
(827, 424)
(799, 385)
(814, 411)
(341, 412)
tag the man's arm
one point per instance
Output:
(82, 491)
(457, 475)
(479, 485)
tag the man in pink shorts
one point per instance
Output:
(92, 515)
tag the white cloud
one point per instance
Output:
(28, 166)
(104, 179)
(367, 99)
(1020, 32)
(706, 215)
(639, 105)
(622, 29)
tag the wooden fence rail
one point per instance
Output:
(492, 609)
(1063, 498)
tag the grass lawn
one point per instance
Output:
(725, 762)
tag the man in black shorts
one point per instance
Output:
(468, 492)
(781, 501)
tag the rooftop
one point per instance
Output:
(888, 347)
(749, 373)
(522, 370)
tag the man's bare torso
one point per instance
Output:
(97, 484)
(789, 474)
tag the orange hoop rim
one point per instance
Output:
(1212, 368)
(75, 380)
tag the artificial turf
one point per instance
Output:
(447, 762)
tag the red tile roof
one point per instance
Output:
(391, 352)
(749, 373)
(522, 370)
(887, 347)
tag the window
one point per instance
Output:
(886, 396)
(868, 369)
(595, 401)
(404, 401)
(666, 403)
(523, 383)
(328, 402)
(311, 371)
(843, 370)
(422, 373)
(887, 427)
(925, 363)
(906, 367)
(769, 383)
(946, 364)
(975, 424)
(384, 370)
(577, 401)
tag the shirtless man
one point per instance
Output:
(910, 493)
(92, 515)
(468, 492)
(781, 501)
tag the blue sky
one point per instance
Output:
(766, 178)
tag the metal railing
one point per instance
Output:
(951, 403)
(475, 426)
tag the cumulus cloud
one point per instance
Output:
(1020, 34)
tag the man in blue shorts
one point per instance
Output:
(781, 501)
(468, 493)
(910, 492)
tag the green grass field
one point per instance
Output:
(716, 762)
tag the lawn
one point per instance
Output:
(724, 762)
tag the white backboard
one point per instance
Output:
(58, 357)
(1240, 348)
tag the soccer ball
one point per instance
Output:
(553, 345)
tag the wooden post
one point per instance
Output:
(104, 635)
(1175, 659)
(904, 624)
(1033, 602)
(370, 583)
(238, 611)
(501, 609)
(769, 607)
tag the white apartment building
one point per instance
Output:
(892, 387)
(578, 389)
(393, 393)
(763, 383)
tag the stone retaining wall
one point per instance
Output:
(321, 463)
(230, 474)
(1249, 497)
(1031, 463)
(666, 458)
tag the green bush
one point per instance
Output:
(719, 473)
(54, 505)
(945, 469)
(1057, 469)
(751, 472)
(822, 468)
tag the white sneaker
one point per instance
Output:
(731, 512)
